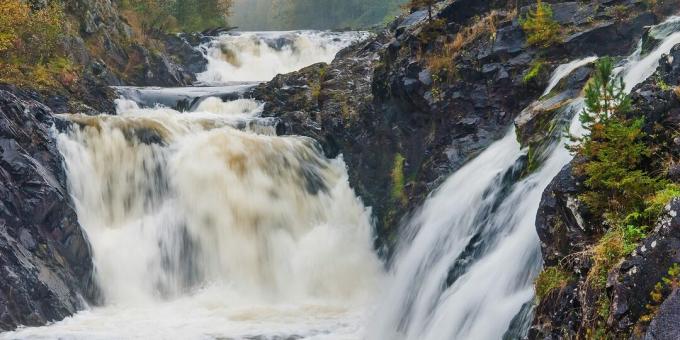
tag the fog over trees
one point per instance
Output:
(312, 14)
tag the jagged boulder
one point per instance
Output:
(45, 259)
(636, 277)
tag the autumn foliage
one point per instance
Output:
(29, 40)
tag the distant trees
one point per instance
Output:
(179, 15)
(312, 14)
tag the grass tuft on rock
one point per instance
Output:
(549, 279)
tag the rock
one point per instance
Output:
(562, 221)
(665, 325)
(545, 118)
(637, 275)
(510, 40)
(558, 314)
(182, 47)
(608, 38)
(45, 259)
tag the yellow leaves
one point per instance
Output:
(29, 42)
(542, 30)
(14, 15)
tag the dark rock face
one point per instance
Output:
(376, 103)
(637, 275)
(45, 261)
(610, 37)
(562, 221)
(666, 326)
(379, 102)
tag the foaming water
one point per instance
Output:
(564, 70)
(206, 225)
(259, 56)
(468, 259)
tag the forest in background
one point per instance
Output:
(312, 14)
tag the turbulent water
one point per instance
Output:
(206, 225)
(259, 56)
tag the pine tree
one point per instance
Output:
(541, 29)
(614, 149)
(604, 95)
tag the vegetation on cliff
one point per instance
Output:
(29, 39)
(619, 159)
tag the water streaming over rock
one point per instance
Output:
(469, 256)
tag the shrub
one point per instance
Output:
(541, 29)
(14, 16)
(29, 41)
(550, 278)
(182, 15)
(443, 61)
(534, 71)
(617, 243)
(398, 180)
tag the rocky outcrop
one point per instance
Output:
(381, 106)
(109, 50)
(45, 260)
(635, 287)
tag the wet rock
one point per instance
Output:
(545, 117)
(608, 38)
(640, 272)
(45, 260)
(665, 325)
(182, 47)
(563, 223)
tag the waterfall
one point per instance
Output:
(259, 56)
(468, 258)
(205, 224)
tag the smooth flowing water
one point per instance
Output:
(206, 225)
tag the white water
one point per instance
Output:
(206, 225)
(564, 70)
(469, 257)
(259, 56)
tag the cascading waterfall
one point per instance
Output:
(259, 56)
(469, 256)
(206, 225)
